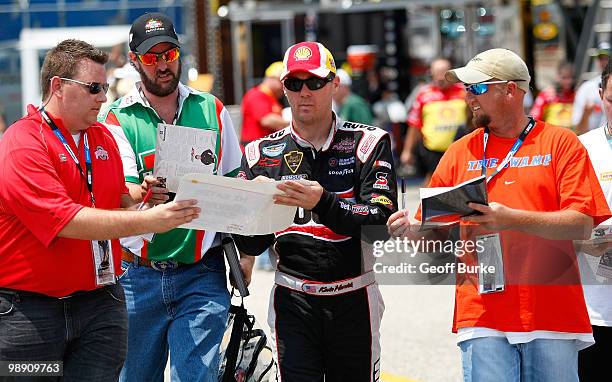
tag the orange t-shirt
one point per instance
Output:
(550, 172)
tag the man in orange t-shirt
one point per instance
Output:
(542, 193)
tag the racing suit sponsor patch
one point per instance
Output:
(274, 150)
(381, 181)
(269, 162)
(344, 171)
(293, 160)
(382, 163)
(346, 145)
(360, 209)
(294, 177)
(381, 199)
(333, 162)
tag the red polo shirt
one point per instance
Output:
(41, 190)
(256, 104)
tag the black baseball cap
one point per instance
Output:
(151, 29)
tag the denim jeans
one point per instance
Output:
(88, 332)
(488, 359)
(181, 311)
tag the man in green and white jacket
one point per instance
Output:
(175, 286)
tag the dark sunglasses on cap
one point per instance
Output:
(313, 83)
(150, 59)
(94, 87)
(483, 87)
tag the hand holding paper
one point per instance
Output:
(235, 205)
(304, 194)
(495, 216)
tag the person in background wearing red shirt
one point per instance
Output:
(261, 109)
(61, 186)
(525, 319)
(554, 104)
(438, 116)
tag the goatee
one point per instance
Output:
(157, 89)
(482, 120)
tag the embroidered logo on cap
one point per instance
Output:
(154, 25)
(303, 53)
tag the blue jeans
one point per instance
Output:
(88, 332)
(182, 311)
(495, 359)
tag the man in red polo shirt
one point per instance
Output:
(261, 110)
(61, 183)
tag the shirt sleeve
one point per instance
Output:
(128, 157)
(259, 107)
(414, 117)
(31, 187)
(251, 245)
(230, 155)
(579, 102)
(375, 196)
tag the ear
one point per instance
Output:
(512, 88)
(335, 84)
(600, 93)
(133, 58)
(55, 86)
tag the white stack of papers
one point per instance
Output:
(234, 205)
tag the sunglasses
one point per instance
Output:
(312, 83)
(483, 87)
(150, 59)
(94, 87)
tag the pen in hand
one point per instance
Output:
(146, 198)
(403, 182)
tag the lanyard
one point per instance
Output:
(608, 131)
(88, 166)
(517, 144)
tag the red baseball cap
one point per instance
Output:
(310, 57)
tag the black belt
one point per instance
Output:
(163, 265)
(24, 293)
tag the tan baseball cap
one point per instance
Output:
(502, 64)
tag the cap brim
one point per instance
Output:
(315, 71)
(466, 75)
(151, 42)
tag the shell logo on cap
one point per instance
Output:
(302, 53)
(153, 25)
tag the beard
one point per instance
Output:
(155, 88)
(482, 120)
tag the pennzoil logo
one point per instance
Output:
(293, 160)
(381, 199)
(154, 25)
(302, 53)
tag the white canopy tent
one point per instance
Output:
(31, 41)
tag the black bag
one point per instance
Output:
(245, 353)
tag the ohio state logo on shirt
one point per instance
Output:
(100, 153)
